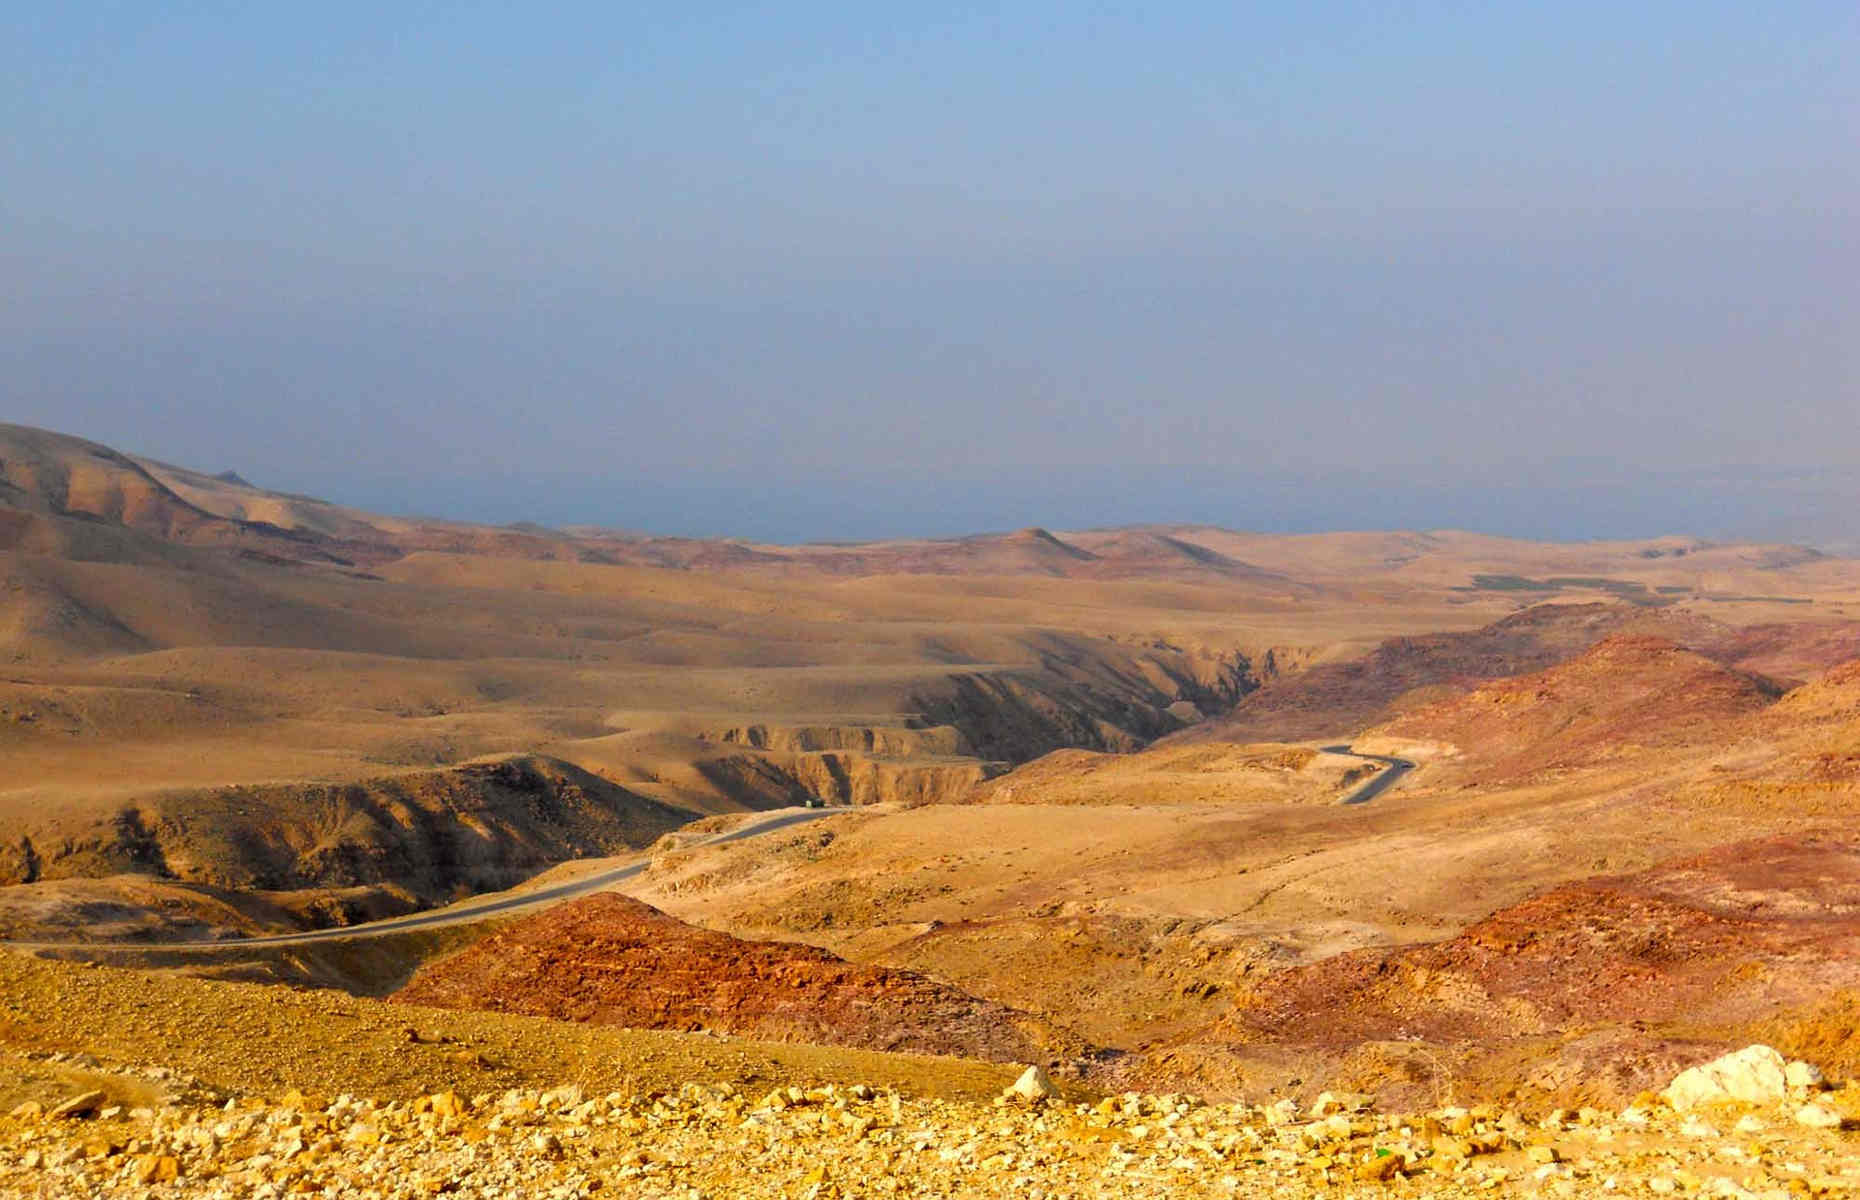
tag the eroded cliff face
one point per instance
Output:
(888, 740)
(843, 764)
(430, 835)
(1098, 694)
(840, 778)
(415, 839)
(1118, 698)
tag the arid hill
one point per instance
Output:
(1605, 987)
(610, 960)
(373, 846)
(56, 475)
(1790, 653)
(1833, 698)
(1081, 797)
(1172, 880)
(1627, 693)
(1406, 672)
(1186, 773)
(48, 480)
(214, 693)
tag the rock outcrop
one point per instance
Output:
(1754, 1075)
(480, 826)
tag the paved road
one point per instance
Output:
(1396, 768)
(430, 920)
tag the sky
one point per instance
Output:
(839, 271)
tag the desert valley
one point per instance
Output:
(346, 854)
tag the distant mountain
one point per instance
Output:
(52, 477)
(56, 477)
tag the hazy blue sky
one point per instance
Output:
(813, 270)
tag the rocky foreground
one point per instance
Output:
(1747, 1125)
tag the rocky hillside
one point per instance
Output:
(830, 1141)
(1338, 698)
(1178, 773)
(1603, 987)
(1330, 699)
(119, 1085)
(607, 959)
(1623, 695)
(425, 836)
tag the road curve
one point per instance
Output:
(432, 920)
(1393, 770)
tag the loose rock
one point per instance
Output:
(82, 1105)
(1034, 1084)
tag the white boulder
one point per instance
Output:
(1803, 1076)
(1818, 1116)
(1034, 1084)
(1753, 1075)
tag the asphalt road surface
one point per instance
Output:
(1394, 770)
(457, 916)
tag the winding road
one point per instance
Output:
(470, 912)
(1393, 770)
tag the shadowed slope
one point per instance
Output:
(422, 836)
(1627, 693)
(1342, 697)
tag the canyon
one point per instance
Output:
(1063, 798)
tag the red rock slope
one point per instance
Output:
(1613, 982)
(611, 960)
(1627, 693)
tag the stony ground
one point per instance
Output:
(254, 1039)
(722, 1140)
(182, 1087)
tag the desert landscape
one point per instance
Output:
(327, 836)
(1016, 601)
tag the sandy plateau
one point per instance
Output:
(1072, 802)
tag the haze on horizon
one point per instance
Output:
(818, 273)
